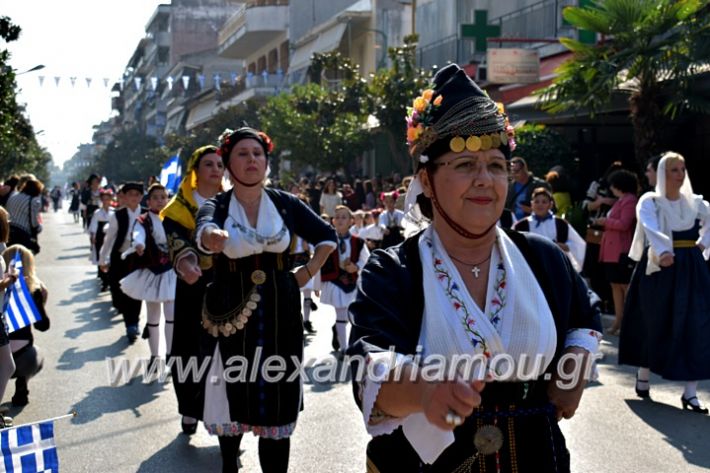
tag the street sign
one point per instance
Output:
(513, 66)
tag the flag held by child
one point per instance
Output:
(20, 309)
(29, 449)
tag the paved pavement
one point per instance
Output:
(134, 427)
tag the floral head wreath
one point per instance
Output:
(229, 138)
(420, 130)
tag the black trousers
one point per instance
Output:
(130, 308)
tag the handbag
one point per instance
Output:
(594, 235)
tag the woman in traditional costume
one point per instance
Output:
(464, 287)
(253, 306)
(202, 182)
(666, 324)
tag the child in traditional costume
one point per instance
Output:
(97, 232)
(339, 274)
(155, 281)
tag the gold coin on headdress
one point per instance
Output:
(495, 140)
(503, 138)
(258, 277)
(486, 142)
(457, 144)
(233, 331)
(473, 143)
(488, 439)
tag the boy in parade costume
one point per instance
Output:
(340, 272)
(544, 223)
(117, 241)
(97, 232)
(154, 282)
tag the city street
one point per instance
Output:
(135, 427)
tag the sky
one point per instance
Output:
(72, 38)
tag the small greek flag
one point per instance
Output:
(20, 309)
(29, 449)
(171, 173)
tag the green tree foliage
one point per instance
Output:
(543, 148)
(322, 124)
(651, 50)
(393, 90)
(19, 150)
(131, 156)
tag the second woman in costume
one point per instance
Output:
(202, 182)
(252, 307)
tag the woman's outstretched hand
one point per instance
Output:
(214, 239)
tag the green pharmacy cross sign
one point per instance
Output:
(480, 30)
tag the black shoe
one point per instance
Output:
(20, 399)
(335, 343)
(314, 307)
(308, 327)
(188, 429)
(642, 393)
(132, 334)
(146, 333)
(693, 407)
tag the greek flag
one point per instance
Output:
(20, 309)
(171, 173)
(29, 449)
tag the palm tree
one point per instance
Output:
(651, 50)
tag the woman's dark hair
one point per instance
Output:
(368, 187)
(230, 138)
(32, 187)
(624, 181)
(12, 181)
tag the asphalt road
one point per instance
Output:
(135, 427)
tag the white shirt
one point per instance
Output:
(139, 235)
(648, 217)
(391, 219)
(548, 229)
(100, 216)
(105, 256)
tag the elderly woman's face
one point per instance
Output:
(247, 161)
(471, 187)
(210, 170)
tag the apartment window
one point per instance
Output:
(163, 55)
